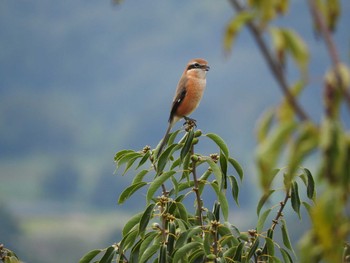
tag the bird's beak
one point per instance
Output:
(206, 68)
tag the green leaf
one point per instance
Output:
(182, 252)
(156, 184)
(89, 256)
(144, 159)
(307, 207)
(131, 223)
(108, 256)
(285, 236)
(182, 211)
(238, 254)
(223, 166)
(163, 158)
(131, 156)
(234, 188)
(121, 153)
(148, 239)
(270, 246)
(262, 219)
(295, 199)
(253, 248)
(145, 219)
(286, 257)
(188, 143)
(130, 163)
(222, 199)
(216, 170)
(237, 167)
(219, 142)
(128, 240)
(263, 200)
(310, 184)
(139, 177)
(149, 252)
(129, 191)
(234, 27)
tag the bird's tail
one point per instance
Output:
(165, 138)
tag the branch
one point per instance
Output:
(274, 66)
(332, 50)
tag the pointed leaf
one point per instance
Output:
(131, 223)
(147, 215)
(108, 256)
(262, 219)
(295, 199)
(188, 143)
(262, 200)
(129, 191)
(222, 199)
(285, 236)
(219, 142)
(89, 256)
(163, 158)
(139, 177)
(234, 188)
(182, 252)
(149, 252)
(237, 167)
(156, 184)
(216, 170)
(286, 257)
(223, 166)
(310, 184)
(253, 248)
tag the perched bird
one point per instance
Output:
(188, 94)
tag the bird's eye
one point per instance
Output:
(196, 65)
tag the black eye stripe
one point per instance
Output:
(194, 65)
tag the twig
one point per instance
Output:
(279, 213)
(332, 50)
(196, 190)
(274, 66)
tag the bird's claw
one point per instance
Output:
(189, 123)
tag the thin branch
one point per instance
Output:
(196, 190)
(332, 50)
(279, 213)
(274, 66)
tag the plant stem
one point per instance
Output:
(196, 190)
(274, 66)
(279, 213)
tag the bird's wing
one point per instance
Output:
(177, 102)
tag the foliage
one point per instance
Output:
(287, 130)
(167, 230)
(7, 256)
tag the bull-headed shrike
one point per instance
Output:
(188, 94)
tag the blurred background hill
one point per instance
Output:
(81, 80)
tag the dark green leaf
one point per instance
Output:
(234, 188)
(163, 158)
(219, 142)
(148, 239)
(149, 252)
(310, 184)
(238, 254)
(188, 143)
(108, 256)
(129, 191)
(263, 200)
(270, 246)
(253, 248)
(222, 199)
(144, 159)
(128, 240)
(216, 170)
(127, 157)
(163, 254)
(147, 215)
(130, 163)
(182, 211)
(121, 153)
(295, 199)
(139, 177)
(262, 219)
(237, 167)
(286, 257)
(182, 252)
(285, 235)
(131, 223)
(156, 184)
(223, 166)
(89, 256)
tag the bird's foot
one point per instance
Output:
(189, 123)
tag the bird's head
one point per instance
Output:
(197, 68)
